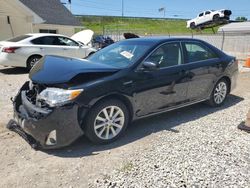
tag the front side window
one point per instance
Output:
(64, 41)
(207, 12)
(166, 55)
(198, 52)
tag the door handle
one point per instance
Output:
(128, 83)
(65, 49)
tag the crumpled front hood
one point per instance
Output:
(58, 70)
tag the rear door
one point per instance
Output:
(45, 46)
(202, 64)
(164, 87)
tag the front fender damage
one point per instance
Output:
(45, 128)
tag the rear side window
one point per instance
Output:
(54, 40)
(19, 38)
(198, 52)
(201, 14)
(48, 40)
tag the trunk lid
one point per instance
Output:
(6, 44)
(59, 70)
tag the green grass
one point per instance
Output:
(140, 26)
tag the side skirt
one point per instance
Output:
(170, 109)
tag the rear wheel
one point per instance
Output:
(32, 61)
(192, 25)
(106, 121)
(219, 93)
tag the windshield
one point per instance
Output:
(121, 54)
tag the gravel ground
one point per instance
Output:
(11, 79)
(197, 146)
(204, 150)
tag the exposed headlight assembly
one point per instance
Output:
(58, 97)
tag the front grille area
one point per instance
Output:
(31, 94)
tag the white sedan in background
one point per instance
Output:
(26, 50)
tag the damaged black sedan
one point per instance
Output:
(66, 98)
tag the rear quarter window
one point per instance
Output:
(19, 38)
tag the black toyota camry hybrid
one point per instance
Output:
(98, 97)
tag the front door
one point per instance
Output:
(68, 47)
(159, 89)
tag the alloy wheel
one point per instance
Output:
(34, 61)
(109, 122)
(220, 92)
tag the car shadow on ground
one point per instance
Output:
(14, 70)
(144, 127)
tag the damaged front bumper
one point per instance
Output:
(42, 127)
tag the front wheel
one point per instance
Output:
(219, 93)
(106, 121)
(216, 17)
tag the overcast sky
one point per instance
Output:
(149, 8)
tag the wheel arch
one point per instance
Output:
(117, 96)
(228, 80)
(27, 61)
(121, 98)
(217, 15)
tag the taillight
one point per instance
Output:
(10, 49)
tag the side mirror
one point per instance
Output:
(149, 65)
(81, 44)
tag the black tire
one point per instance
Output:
(91, 122)
(32, 61)
(192, 25)
(216, 17)
(215, 102)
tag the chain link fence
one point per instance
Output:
(232, 43)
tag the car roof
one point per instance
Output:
(43, 34)
(156, 40)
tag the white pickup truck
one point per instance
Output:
(209, 17)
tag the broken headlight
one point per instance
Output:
(58, 97)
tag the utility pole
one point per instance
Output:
(122, 8)
(69, 1)
(163, 9)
